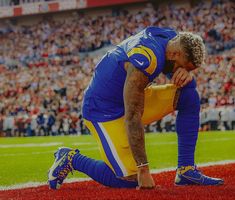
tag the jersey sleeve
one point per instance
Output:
(144, 59)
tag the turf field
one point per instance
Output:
(28, 159)
(166, 190)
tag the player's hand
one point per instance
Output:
(145, 180)
(181, 77)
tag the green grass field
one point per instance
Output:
(28, 159)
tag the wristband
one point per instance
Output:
(142, 165)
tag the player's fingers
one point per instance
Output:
(178, 74)
(145, 188)
(178, 78)
(182, 79)
(175, 75)
(186, 81)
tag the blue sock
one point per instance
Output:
(187, 125)
(100, 172)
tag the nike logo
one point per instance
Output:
(140, 63)
(53, 167)
(195, 180)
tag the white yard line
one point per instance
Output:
(83, 143)
(26, 145)
(43, 152)
(25, 154)
(37, 184)
(201, 141)
(223, 162)
(73, 180)
(31, 145)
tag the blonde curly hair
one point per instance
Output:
(194, 47)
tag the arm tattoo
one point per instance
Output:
(134, 87)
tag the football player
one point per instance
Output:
(120, 100)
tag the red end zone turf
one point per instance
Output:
(90, 190)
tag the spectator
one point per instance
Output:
(232, 117)
(8, 124)
(224, 113)
(213, 118)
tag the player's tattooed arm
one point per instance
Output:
(134, 87)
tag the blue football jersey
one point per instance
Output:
(103, 98)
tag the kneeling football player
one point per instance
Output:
(120, 100)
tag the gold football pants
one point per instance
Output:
(112, 137)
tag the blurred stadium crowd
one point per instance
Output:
(45, 67)
(18, 2)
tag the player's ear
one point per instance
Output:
(174, 50)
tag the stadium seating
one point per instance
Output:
(46, 66)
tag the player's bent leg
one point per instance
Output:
(113, 144)
(117, 165)
(162, 100)
(67, 160)
(187, 125)
(118, 161)
(99, 171)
